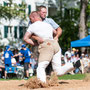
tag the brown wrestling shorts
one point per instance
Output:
(47, 49)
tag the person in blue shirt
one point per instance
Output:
(7, 58)
(27, 55)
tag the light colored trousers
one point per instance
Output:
(56, 64)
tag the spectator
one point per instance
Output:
(32, 62)
(21, 59)
(36, 65)
(67, 53)
(73, 51)
(77, 52)
(73, 59)
(7, 58)
(27, 55)
(17, 57)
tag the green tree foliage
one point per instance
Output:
(69, 19)
(69, 25)
(12, 10)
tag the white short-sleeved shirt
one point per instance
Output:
(41, 29)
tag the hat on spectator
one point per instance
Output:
(23, 46)
(7, 47)
(73, 49)
(72, 55)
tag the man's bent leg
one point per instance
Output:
(63, 69)
(56, 64)
(41, 75)
(56, 61)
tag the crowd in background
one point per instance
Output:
(25, 58)
(22, 57)
(75, 55)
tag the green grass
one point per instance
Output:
(71, 77)
(64, 77)
(9, 79)
(13, 78)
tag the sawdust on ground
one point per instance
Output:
(35, 83)
(63, 85)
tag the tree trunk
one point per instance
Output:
(82, 24)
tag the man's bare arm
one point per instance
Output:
(27, 39)
(58, 34)
(39, 39)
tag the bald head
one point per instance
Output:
(34, 16)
